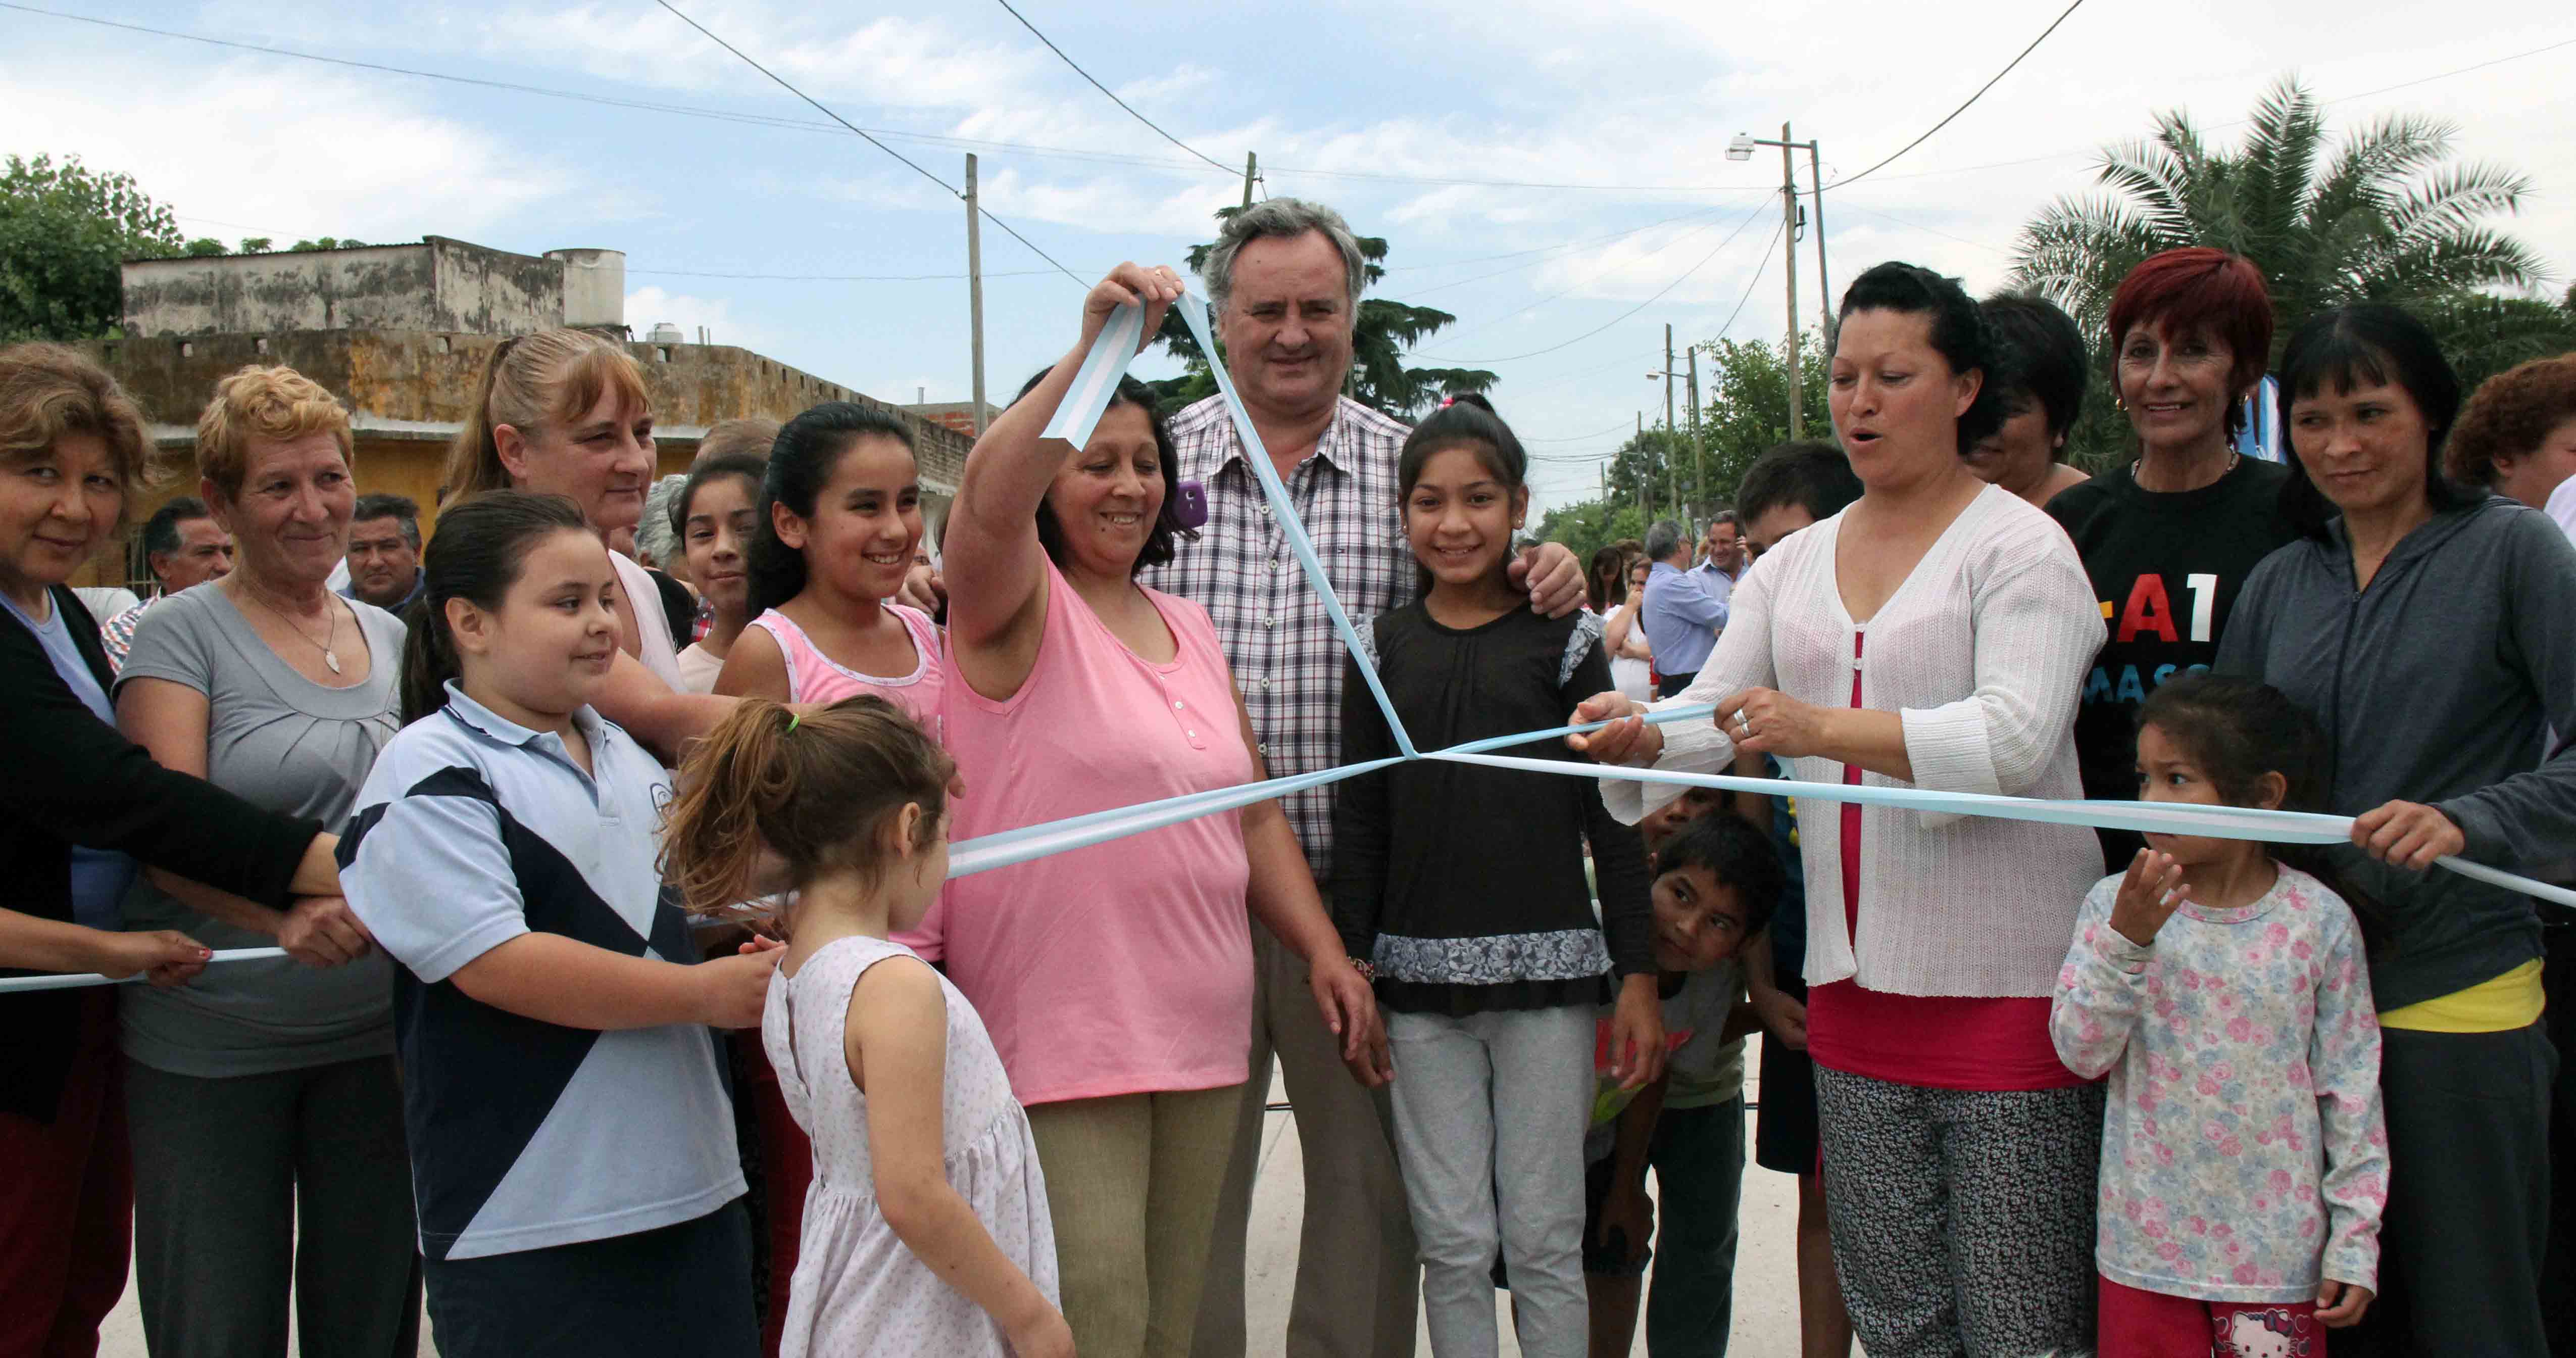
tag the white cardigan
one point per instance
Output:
(1982, 651)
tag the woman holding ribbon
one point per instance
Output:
(267, 1120)
(2427, 626)
(1933, 635)
(81, 812)
(1117, 979)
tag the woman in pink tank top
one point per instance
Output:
(1116, 980)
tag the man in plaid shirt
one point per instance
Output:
(1284, 282)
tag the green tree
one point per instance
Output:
(1590, 525)
(1744, 410)
(1383, 333)
(326, 243)
(64, 231)
(2384, 215)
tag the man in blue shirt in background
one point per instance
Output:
(1682, 614)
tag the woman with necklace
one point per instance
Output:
(2426, 625)
(267, 1121)
(2169, 536)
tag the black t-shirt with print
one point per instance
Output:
(2167, 567)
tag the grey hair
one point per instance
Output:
(1725, 516)
(402, 509)
(1662, 540)
(654, 536)
(1283, 218)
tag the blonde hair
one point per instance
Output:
(531, 381)
(263, 403)
(747, 436)
(818, 787)
(47, 391)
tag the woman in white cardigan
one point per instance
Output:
(1934, 634)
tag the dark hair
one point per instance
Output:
(2511, 415)
(2198, 288)
(1163, 542)
(809, 449)
(1959, 333)
(1724, 516)
(161, 531)
(2046, 354)
(1812, 474)
(2373, 343)
(1607, 577)
(1463, 420)
(744, 465)
(1734, 853)
(482, 541)
(2236, 730)
(402, 509)
(817, 788)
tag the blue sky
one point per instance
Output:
(1369, 107)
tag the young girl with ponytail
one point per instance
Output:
(572, 1147)
(927, 1229)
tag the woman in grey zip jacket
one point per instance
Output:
(2432, 631)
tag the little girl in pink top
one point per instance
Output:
(1116, 980)
(840, 518)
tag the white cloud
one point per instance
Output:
(649, 306)
(321, 154)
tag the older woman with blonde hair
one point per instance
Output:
(266, 1116)
(81, 810)
(566, 412)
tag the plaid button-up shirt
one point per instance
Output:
(1286, 657)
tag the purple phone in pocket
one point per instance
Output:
(1189, 505)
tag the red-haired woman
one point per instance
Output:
(2169, 537)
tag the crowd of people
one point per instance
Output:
(611, 767)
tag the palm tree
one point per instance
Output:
(2381, 216)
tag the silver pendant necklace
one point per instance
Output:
(330, 654)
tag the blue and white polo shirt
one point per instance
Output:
(471, 831)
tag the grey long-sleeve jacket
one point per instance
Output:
(2434, 685)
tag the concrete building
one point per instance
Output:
(401, 332)
(957, 415)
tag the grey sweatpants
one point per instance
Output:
(246, 1184)
(1487, 1107)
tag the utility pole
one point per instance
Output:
(1672, 464)
(1789, 227)
(1645, 480)
(1824, 289)
(975, 285)
(1699, 451)
(1251, 168)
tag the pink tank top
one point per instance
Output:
(813, 677)
(1125, 967)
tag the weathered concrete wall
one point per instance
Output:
(409, 389)
(437, 285)
(594, 287)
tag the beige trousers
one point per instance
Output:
(1132, 1182)
(1357, 1274)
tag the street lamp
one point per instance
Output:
(1741, 148)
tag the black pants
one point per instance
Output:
(2558, 1275)
(2468, 1193)
(680, 1291)
(1674, 683)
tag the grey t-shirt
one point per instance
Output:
(285, 743)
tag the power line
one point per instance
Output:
(1980, 94)
(1596, 276)
(1548, 249)
(842, 277)
(1104, 89)
(1573, 438)
(810, 125)
(1749, 283)
(1650, 301)
(952, 191)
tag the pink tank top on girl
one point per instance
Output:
(1125, 967)
(813, 677)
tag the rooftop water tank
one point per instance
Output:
(666, 333)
